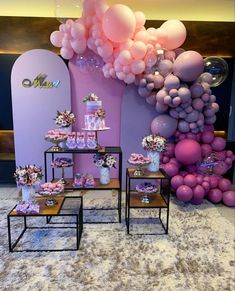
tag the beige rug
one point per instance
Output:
(197, 254)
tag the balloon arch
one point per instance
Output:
(176, 82)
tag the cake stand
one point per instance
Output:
(56, 147)
(139, 171)
(145, 189)
(98, 147)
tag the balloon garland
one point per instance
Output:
(176, 82)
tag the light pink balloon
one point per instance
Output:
(78, 30)
(137, 67)
(164, 125)
(138, 50)
(161, 36)
(140, 19)
(119, 23)
(66, 53)
(79, 46)
(142, 36)
(100, 7)
(176, 33)
(125, 57)
(126, 45)
(188, 66)
(56, 38)
(165, 67)
(130, 78)
(106, 50)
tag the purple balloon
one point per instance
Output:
(218, 144)
(206, 77)
(215, 107)
(209, 112)
(206, 150)
(210, 120)
(198, 192)
(196, 90)
(164, 125)
(205, 97)
(151, 99)
(182, 114)
(212, 98)
(171, 82)
(171, 169)
(184, 193)
(188, 151)
(183, 126)
(150, 86)
(192, 116)
(173, 92)
(143, 82)
(229, 198)
(225, 184)
(161, 95)
(188, 66)
(176, 101)
(184, 94)
(165, 67)
(198, 104)
(143, 92)
(188, 109)
(215, 195)
(161, 108)
(167, 100)
(190, 180)
(207, 137)
(158, 81)
(173, 113)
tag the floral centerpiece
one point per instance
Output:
(101, 113)
(154, 144)
(91, 97)
(64, 118)
(27, 177)
(104, 162)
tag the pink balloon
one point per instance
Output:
(213, 182)
(177, 181)
(206, 150)
(161, 35)
(158, 81)
(221, 168)
(137, 67)
(164, 125)
(198, 104)
(140, 19)
(218, 144)
(106, 50)
(206, 186)
(78, 30)
(161, 108)
(225, 185)
(171, 82)
(190, 180)
(165, 159)
(207, 136)
(138, 50)
(188, 66)
(215, 195)
(79, 46)
(188, 151)
(176, 33)
(165, 67)
(198, 192)
(229, 198)
(125, 57)
(130, 78)
(196, 90)
(66, 53)
(119, 23)
(171, 169)
(142, 36)
(184, 193)
(56, 38)
(170, 150)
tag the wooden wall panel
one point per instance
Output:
(19, 34)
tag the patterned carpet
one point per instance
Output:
(197, 254)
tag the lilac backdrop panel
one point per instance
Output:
(110, 91)
(35, 108)
(135, 123)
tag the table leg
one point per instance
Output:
(9, 233)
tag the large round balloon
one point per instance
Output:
(164, 125)
(188, 151)
(188, 66)
(119, 23)
(176, 33)
(218, 68)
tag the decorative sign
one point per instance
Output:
(40, 82)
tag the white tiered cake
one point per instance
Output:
(95, 115)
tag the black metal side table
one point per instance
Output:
(69, 206)
(159, 200)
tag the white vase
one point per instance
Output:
(155, 161)
(28, 193)
(104, 175)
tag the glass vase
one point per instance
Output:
(104, 175)
(28, 193)
(155, 161)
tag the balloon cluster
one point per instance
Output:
(196, 164)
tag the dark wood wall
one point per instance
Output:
(19, 34)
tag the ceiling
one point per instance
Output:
(192, 10)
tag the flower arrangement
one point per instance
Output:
(62, 162)
(91, 97)
(154, 142)
(104, 160)
(101, 113)
(28, 175)
(64, 118)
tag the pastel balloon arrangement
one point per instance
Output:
(176, 82)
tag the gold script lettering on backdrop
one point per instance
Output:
(40, 82)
